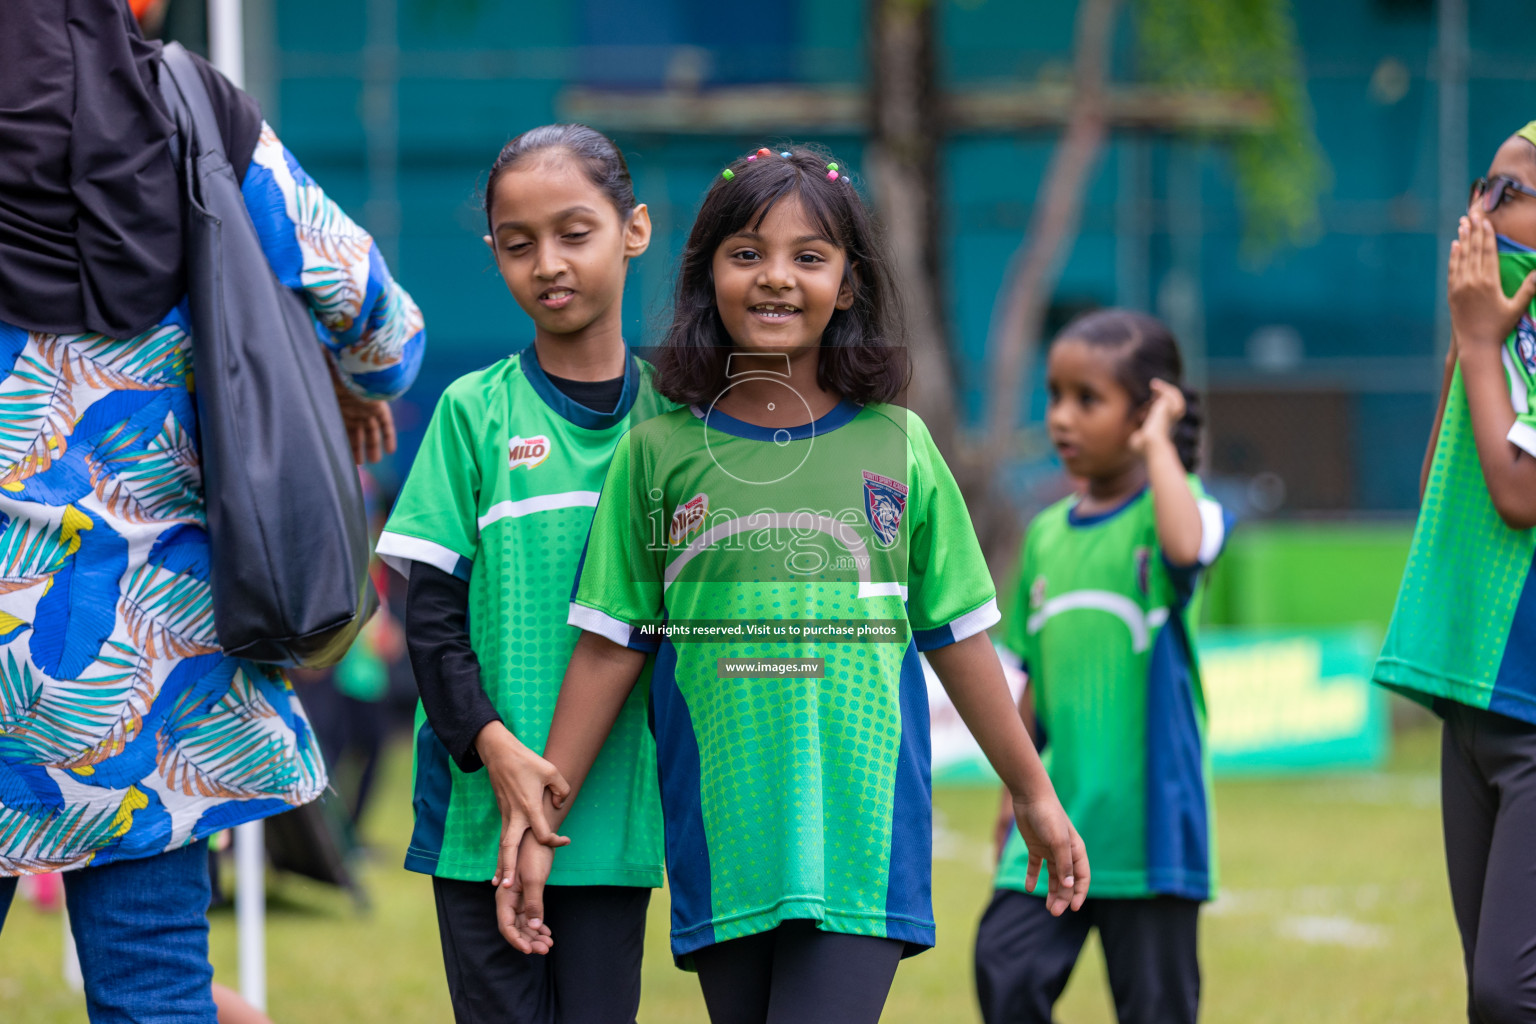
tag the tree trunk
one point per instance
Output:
(1019, 313)
(1036, 265)
(903, 167)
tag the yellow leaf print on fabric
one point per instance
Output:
(71, 526)
(133, 800)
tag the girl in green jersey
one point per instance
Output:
(803, 540)
(1103, 624)
(1463, 634)
(488, 530)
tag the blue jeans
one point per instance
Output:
(141, 927)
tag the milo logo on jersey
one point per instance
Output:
(527, 451)
(690, 515)
(885, 500)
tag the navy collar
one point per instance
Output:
(1077, 519)
(1510, 245)
(843, 412)
(572, 410)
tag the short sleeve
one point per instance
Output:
(949, 591)
(1215, 524)
(618, 587)
(1518, 356)
(435, 518)
(1015, 633)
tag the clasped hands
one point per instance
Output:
(529, 792)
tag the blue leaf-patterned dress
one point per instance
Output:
(124, 731)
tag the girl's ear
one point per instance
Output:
(637, 233)
(846, 293)
(1138, 414)
(490, 243)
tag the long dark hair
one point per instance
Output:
(1145, 350)
(863, 355)
(594, 152)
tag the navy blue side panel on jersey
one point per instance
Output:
(682, 809)
(434, 785)
(1178, 823)
(909, 897)
(1514, 690)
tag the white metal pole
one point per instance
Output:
(72, 974)
(251, 912)
(226, 49)
(226, 38)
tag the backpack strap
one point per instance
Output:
(180, 80)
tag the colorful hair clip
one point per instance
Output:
(727, 174)
(764, 152)
(785, 154)
(831, 172)
(751, 158)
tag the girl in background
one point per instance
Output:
(1103, 623)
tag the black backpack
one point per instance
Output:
(286, 520)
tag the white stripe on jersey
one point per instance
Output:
(537, 503)
(398, 551)
(1517, 393)
(1121, 607)
(1523, 436)
(1213, 531)
(604, 625)
(974, 622)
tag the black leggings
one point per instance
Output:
(1488, 807)
(1024, 957)
(798, 974)
(591, 976)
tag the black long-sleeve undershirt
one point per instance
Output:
(447, 671)
(437, 627)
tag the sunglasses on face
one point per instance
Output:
(1494, 191)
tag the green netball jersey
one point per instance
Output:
(799, 572)
(501, 493)
(1105, 627)
(1464, 627)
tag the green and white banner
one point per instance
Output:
(1277, 700)
(1293, 699)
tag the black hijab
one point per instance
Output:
(90, 203)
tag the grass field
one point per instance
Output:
(1333, 909)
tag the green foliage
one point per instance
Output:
(1246, 46)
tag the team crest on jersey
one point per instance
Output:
(527, 451)
(1525, 343)
(1143, 568)
(690, 515)
(885, 500)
